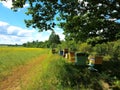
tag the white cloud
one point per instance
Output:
(16, 35)
(85, 3)
(8, 4)
(25, 33)
(59, 31)
(12, 29)
(26, 5)
(3, 23)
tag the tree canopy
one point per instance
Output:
(54, 39)
(82, 19)
(94, 18)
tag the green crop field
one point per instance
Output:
(28, 68)
(12, 57)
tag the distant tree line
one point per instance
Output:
(52, 42)
(10, 45)
(37, 44)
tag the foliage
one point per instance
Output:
(37, 44)
(85, 19)
(116, 51)
(42, 12)
(69, 44)
(54, 39)
(80, 29)
(117, 84)
(84, 47)
(110, 50)
(94, 19)
(52, 42)
(95, 40)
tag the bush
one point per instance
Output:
(71, 45)
(101, 49)
(116, 51)
(110, 50)
(107, 58)
(84, 47)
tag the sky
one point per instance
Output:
(13, 29)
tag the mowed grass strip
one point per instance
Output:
(39, 73)
(22, 75)
(46, 74)
(13, 57)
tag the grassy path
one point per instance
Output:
(21, 75)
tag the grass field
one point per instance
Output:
(39, 69)
(12, 58)
(29, 69)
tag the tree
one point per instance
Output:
(42, 12)
(95, 18)
(37, 44)
(81, 28)
(83, 19)
(54, 39)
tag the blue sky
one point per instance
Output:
(13, 29)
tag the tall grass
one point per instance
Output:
(12, 57)
(56, 74)
(47, 77)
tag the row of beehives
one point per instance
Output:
(80, 58)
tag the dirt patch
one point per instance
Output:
(18, 77)
(105, 85)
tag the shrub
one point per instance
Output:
(107, 57)
(71, 45)
(110, 50)
(116, 84)
(116, 51)
(84, 47)
(101, 49)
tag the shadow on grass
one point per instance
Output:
(81, 77)
(112, 69)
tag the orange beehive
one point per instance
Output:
(98, 59)
(72, 56)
